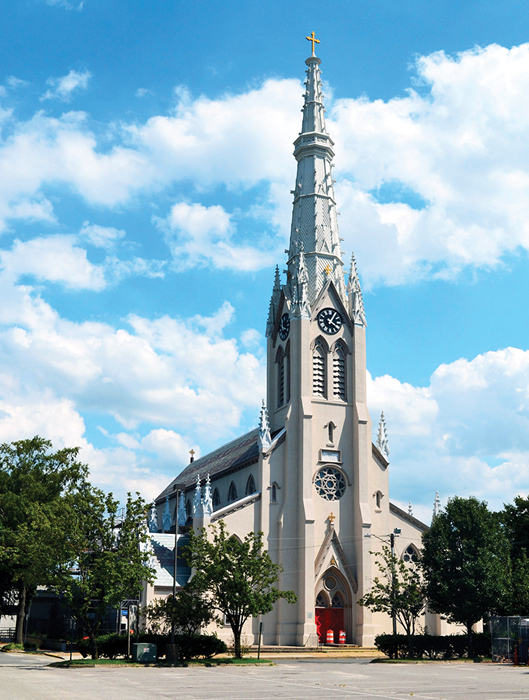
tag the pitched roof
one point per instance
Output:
(406, 516)
(234, 455)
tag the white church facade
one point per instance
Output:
(309, 476)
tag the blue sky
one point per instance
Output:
(145, 168)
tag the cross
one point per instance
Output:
(312, 38)
(327, 269)
(192, 453)
(331, 518)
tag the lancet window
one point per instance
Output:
(232, 492)
(216, 499)
(338, 373)
(319, 362)
(280, 361)
(250, 486)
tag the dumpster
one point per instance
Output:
(144, 653)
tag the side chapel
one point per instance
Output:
(309, 475)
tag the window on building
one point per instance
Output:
(319, 359)
(338, 374)
(411, 553)
(320, 601)
(216, 499)
(286, 363)
(280, 361)
(378, 499)
(250, 486)
(273, 493)
(232, 493)
(331, 428)
(337, 601)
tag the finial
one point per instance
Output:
(382, 436)
(197, 500)
(313, 39)
(331, 519)
(265, 439)
(436, 504)
(410, 509)
(327, 269)
(207, 502)
(182, 515)
(192, 458)
(356, 302)
(167, 520)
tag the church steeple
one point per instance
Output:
(314, 237)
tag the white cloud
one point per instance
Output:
(62, 88)
(101, 236)
(199, 236)
(54, 259)
(143, 92)
(466, 433)
(66, 4)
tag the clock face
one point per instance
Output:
(284, 326)
(329, 321)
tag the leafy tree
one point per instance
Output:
(466, 563)
(189, 611)
(399, 591)
(238, 576)
(515, 519)
(34, 483)
(108, 560)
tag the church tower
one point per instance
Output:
(308, 476)
(317, 394)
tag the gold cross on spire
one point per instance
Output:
(331, 518)
(327, 269)
(312, 38)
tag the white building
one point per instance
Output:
(309, 476)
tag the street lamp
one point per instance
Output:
(396, 532)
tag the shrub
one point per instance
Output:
(110, 646)
(12, 647)
(433, 647)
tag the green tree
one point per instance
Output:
(190, 611)
(466, 563)
(515, 520)
(238, 577)
(399, 591)
(34, 483)
(108, 560)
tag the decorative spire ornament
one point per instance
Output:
(382, 437)
(274, 301)
(207, 501)
(410, 509)
(356, 302)
(153, 518)
(167, 521)
(197, 500)
(265, 439)
(436, 504)
(299, 285)
(182, 514)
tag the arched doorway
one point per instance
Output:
(333, 606)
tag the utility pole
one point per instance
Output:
(392, 544)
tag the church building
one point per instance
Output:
(309, 476)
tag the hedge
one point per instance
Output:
(430, 646)
(110, 646)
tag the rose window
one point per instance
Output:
(330, 483)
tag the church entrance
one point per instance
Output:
(333, 608)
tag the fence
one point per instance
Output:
(7, 634)
(507, 635)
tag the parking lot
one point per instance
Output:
(26, 677)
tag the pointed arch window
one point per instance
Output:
(338, 374)
(319, 378)
(337, 600)
(321, 602)
(232, 493)
(250, 486)
(411, 554)
(273, 492)
(216, 499)
(280, 361)
(378, 499)
(286, 364)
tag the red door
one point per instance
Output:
(329, 619)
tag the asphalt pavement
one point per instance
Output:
(28, 677)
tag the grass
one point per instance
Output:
(193, 662)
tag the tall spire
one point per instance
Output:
(314, 231)
(382, 436)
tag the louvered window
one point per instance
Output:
(280, 360)
(318, 371)
(338, 374)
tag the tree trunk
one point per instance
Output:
(469, 632)
(21, 611)
(93, 645)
